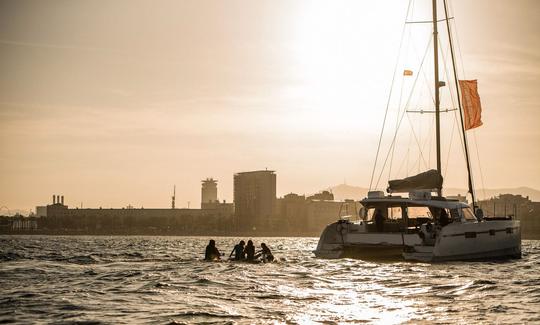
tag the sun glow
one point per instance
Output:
(343, 61)
(105, 95)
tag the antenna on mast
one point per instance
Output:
(173, 197)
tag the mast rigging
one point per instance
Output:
(469, 174)
(437, 100)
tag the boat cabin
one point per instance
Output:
(382, 213)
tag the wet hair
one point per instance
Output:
(242, 242)
(212, 242)
(263, 245)
(250, 243)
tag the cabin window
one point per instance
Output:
(437, 213)
(418, 216)
(442, 216)
(468, 214)
(393, 213)
(419, 213)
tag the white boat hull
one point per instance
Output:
(457, 241)
(341, 240)
(471, 241)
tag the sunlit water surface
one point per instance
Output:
(163, 280)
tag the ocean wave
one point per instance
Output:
(193, 314)
(164, 280)
(81, 259)
(10, 256)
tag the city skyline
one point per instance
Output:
(342, 192)
(269, 161)
(115, 107)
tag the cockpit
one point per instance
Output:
(407, 216)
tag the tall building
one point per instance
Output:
(254, 199)
(209, 199)
(209, 191)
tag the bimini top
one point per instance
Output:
(394, 201)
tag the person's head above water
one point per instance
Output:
(263, 245)
(242, 243)
(212, 242)
(250, 243)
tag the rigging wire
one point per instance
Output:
(428, 141)
(416, 136)
(410, 137)
(456, 36)
(389, 97)
(452, 100)
(432, 95)
(474, 131)
(479, 165)
(421, 147)
(393, 147)
(401, 119)
(406, 160)
(469, 173)
(426, 79)
(403, 78)
(456, 121)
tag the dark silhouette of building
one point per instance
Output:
(322, 196)
(59, 218)
(254, 199)
(517, 206)
(292, 214)
(298, 214)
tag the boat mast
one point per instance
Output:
(437, 103)
(469, 174)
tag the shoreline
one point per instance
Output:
(164, 234)
(178, 234)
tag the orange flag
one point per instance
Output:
(470, 100)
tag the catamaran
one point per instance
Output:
(414, 220)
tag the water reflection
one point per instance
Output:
(162, 279)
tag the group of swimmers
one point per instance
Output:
(241, 252)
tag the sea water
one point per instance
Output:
(97, 279)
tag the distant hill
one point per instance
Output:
(344, 191)
(533, 194)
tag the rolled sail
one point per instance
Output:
(429, 180)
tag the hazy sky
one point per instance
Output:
(110, 103)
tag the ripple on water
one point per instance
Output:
(161, 280)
